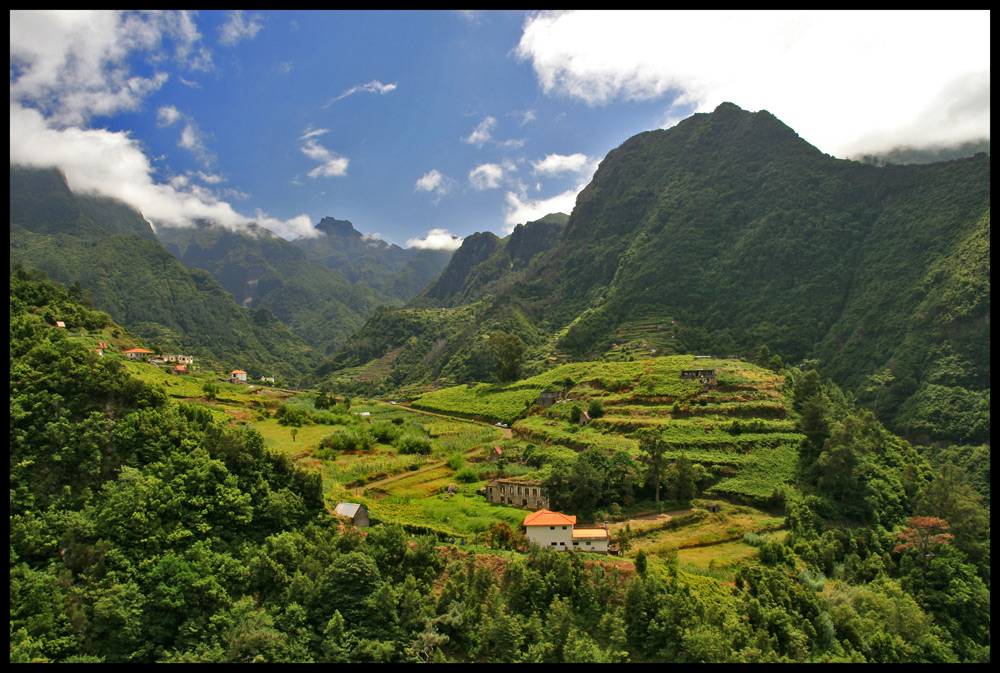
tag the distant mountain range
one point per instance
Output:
(742, 234)
(248, 299)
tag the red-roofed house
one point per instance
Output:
(237, 376)
(137, 353)
(553, 530)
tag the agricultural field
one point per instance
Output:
(738, 431)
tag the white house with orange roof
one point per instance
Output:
(137, 353)
(553, 530)
(237, 376)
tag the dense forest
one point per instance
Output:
(143, 529)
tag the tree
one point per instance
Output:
(878, 381)
(508, 352)
(654, 450)
(922, 534)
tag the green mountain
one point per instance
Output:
(265, 272)
(112, 253)
(742, 234)
(486, 264)
(386, 268)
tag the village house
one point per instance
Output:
(178, 359)
(237, 376)
(137, 353)
(549, 397)
(495, 454)
(525, 493)
(553, 530)
(357, 513)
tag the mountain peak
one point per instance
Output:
(334, 227)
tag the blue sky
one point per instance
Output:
(424, 127)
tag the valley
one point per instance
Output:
(757, 374)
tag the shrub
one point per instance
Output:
(456, 461)
(385, 432)
(596, 409)
(467, 474)
(414, 444)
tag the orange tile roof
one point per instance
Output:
(137, 350)
(544, 517)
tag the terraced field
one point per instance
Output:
(738, 430)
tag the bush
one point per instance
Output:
(385, 432)
(351, 441)
(414, 444)
(467, 475)
(456, 461)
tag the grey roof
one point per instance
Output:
(349, 509)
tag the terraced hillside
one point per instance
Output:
(737, 428)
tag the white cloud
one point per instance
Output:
(193, 140)
(486, 176)
(331, 165)
(239, 27)
(373, 86)
(481, 134)
(557, 164)
(67, 67)
(429, 181)
(523, 117)
(98, 161)
(167, 115)
(435, 182)
(845, 81)
(73, 65)
(436, 239)
(518, 210)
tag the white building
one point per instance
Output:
(552, 530)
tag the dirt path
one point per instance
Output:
(506, 431)
(648, 521)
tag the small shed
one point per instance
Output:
(357, 513)
(713, 507)
(495, 453)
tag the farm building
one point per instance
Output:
(137, 353)
(553, 530)
(358, 514)
(698, 375)
(237, 376)
(517, 493)
(549, 397)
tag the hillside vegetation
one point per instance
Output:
(743, 235)
(154, 518)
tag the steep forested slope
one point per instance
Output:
(386, 268)
(745, 235)
(111, 251)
